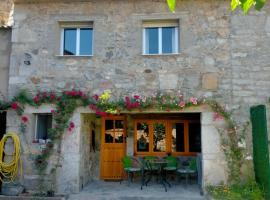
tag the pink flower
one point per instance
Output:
(24, 119)
(96, 97)
(44, 94)
(53, 111)
(14, 105)
(182, 104)
(217, 116)
(136, 97)
(193, 100)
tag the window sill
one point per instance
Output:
(74, 56)
(164, 54)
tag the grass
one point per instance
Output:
(248, 191)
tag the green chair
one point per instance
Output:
(189, 170)
(131, 166)
(171, 163)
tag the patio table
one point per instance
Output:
(160, 163)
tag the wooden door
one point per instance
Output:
(113, 147)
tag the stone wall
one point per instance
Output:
(5, 49)
(6, 7)
(222, 55)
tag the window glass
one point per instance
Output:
(142, 137)
(159, 138)
(86, 41)
(44, 124)
(151, 39)
(178, 137)
(109, 131)
(70, 41)
(167, 39)
(119, 131)
(194, 137)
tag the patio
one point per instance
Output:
(102, 190)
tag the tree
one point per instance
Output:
(245, 5)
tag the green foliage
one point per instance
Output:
(171, 5)
(247, 191)
(246, 5)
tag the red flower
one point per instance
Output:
(52, 96)
(136, 97)
(36, 98)
(53, 111)
(96, 97)
(24, 119)
(14, 105)
(71, 125)
(44, 94)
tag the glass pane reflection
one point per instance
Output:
(159, 137)
(142, 137)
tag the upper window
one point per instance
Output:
(43, 125)
(77, 39)
(160, 37)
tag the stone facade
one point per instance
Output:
(5, 49)
(222, 55)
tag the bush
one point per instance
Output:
(248, 191)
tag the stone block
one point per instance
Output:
(168, 81)
(210, 81)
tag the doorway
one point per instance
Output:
(3, 121)
(113, 147)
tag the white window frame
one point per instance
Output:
(36, 123)
(78, 29)
(176, 41)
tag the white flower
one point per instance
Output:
(241, 144)
(249, 158)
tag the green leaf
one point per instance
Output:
(234, 4)
(246, 5)
(171, 4)
(259, 4)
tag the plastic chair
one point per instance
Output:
(171, 163)
(131, 166)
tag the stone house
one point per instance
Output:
(135, 47)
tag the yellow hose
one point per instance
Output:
(9, 170)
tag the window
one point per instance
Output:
(114, 131)
(43, 125)
(159, 137)
(160, 37)
(77, 39)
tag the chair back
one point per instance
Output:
(127, 162)
(171, 161)
(193, 164)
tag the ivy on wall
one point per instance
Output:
(67, 101)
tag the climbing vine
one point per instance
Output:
(67, 101)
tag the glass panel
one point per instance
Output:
(178, 137)
(159, 137)
(86, 41)
(142, 137)
(109, 132)
(151, 40)
(167, 39)
(44, 123)
(194, 137)
(119, 131)
(70, 41)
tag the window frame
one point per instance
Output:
(168, 137)
(78, 29)
(176, 38)
(36, 124)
